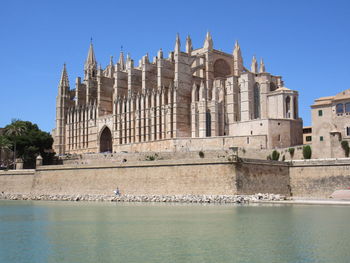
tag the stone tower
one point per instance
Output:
(62, 104)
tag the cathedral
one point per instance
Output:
(197, 95)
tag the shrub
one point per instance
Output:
(345, 146)
(201, 154)
(275, 155)
(307, 152)
(150, 158)
(291, 152)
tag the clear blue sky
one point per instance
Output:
(307, 42)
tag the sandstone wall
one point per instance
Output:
(319, 178)
(257, 176)
(159, 178)
(163, 177)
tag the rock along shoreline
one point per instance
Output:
(219, 199)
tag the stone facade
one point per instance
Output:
(198, 93)
(330, 125)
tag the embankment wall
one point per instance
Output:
(308, 178)
(200, 177)
(319, 178)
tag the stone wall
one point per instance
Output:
(178, 177)
(319, 178)
(201, 176)
(257, 176)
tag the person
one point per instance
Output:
(117, 191)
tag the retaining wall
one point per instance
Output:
(199, 177)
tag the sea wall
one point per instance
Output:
(207, 176)
(259, 176)
(319, 178)
(179, 177)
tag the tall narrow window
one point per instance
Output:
(295, 108)
(340, 108)
(256, 101)
(348, 131)
(208, 124)
(288, 107)
(320, 113)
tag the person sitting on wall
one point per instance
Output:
(116, 191)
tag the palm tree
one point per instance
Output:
(16, 128)
(5, 144)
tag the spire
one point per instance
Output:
(177, 44)
(189, 47)
(262, 66)
(121, 60)
(160, 54)
(64, 82)
(91, 60)
(90, 66)
(254, 67)
(238, 60)
(111, 63)
(129, 61)
(208, 43)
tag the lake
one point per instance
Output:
(130, 232)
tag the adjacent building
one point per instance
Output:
(330, 125)
(191, 94)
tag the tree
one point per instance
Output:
(275, 155)
(15, 129)
(32, 142)
(5, 144)
(307, 152)
(346, 148)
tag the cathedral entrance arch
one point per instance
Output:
(106, 140)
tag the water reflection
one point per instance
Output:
(105, 232)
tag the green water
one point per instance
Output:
(110, 232)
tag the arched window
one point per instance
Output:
(221, 68)
(288, 107)
(256, 101)
(340, 108)
(347, 107)
(272, 86)
(295, 107)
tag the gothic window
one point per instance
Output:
(221, 68)
(238, 117)
(347, 107)
(208, 123)
(256, 101)
(288, 107)
(295, 107)
(197, 93)
(339, 108)
(272, 86)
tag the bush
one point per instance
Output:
(150, 158)
(307, 152)
(201, 154)
(291, 152)
(345, 146)
(275, 155)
